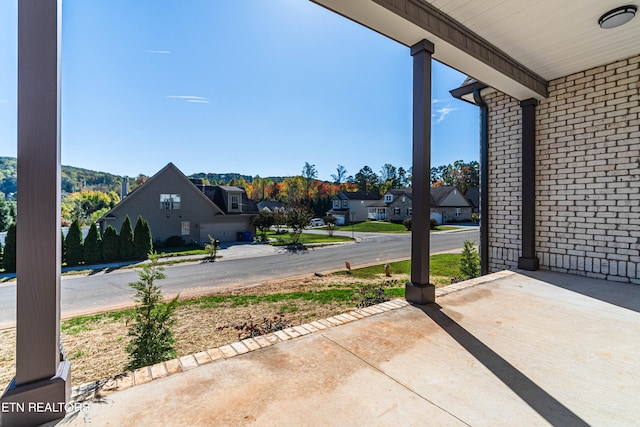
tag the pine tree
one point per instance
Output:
(93, 246)
(470, 261)
(110, 244)
(125, 240)
(9, 258)
(63, 249)
(152, 339)
(142, 242)
(74, 244)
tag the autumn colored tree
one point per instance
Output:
(459, 174)
(340, 176)
(309, 173)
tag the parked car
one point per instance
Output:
(316, 222)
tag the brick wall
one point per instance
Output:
(505, 129)
(587, 175)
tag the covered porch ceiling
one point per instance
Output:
(515, 46)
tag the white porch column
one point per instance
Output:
(42, 376)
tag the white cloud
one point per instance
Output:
(435, 101)
(442, 113)
(190, 98)
(159, 52)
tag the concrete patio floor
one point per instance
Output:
(510, 349)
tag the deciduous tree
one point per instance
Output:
(340, 176)
(263, 222)
(309, 174)
(298, 218)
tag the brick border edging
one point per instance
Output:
(102, 388)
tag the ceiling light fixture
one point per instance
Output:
(618, 16)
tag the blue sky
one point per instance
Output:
(249, 86)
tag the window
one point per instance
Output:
(185, 228)
(336, 204)
(409, 211)
(235, 202)
(345, 203)
(458, 212)
(169, 201)
(396, 211)
(388, 198)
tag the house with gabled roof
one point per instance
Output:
(174, 205)
(448, 204)
(271, 206)
(352, 206)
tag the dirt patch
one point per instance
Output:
(97, 349)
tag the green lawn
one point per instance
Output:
(305, 238)
(374, 227)
(447, 265)
(383, 227)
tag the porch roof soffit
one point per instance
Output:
(410, 21)
(514, 46)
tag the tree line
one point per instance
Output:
(99, 191)
(130, 244)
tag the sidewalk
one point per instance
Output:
(506, 349)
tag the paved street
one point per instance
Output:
(241, 265)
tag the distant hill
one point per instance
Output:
(72, 178)
(76, 179)
(214, 178)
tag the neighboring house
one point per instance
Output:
(447, 205)
(271, 206)
(352, 206)
(173, 205)
(473, 196)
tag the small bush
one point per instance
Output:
(251, 329)
(370, 294)
(174, 242)
(330, 223)
(407, 224)
(433, 224)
